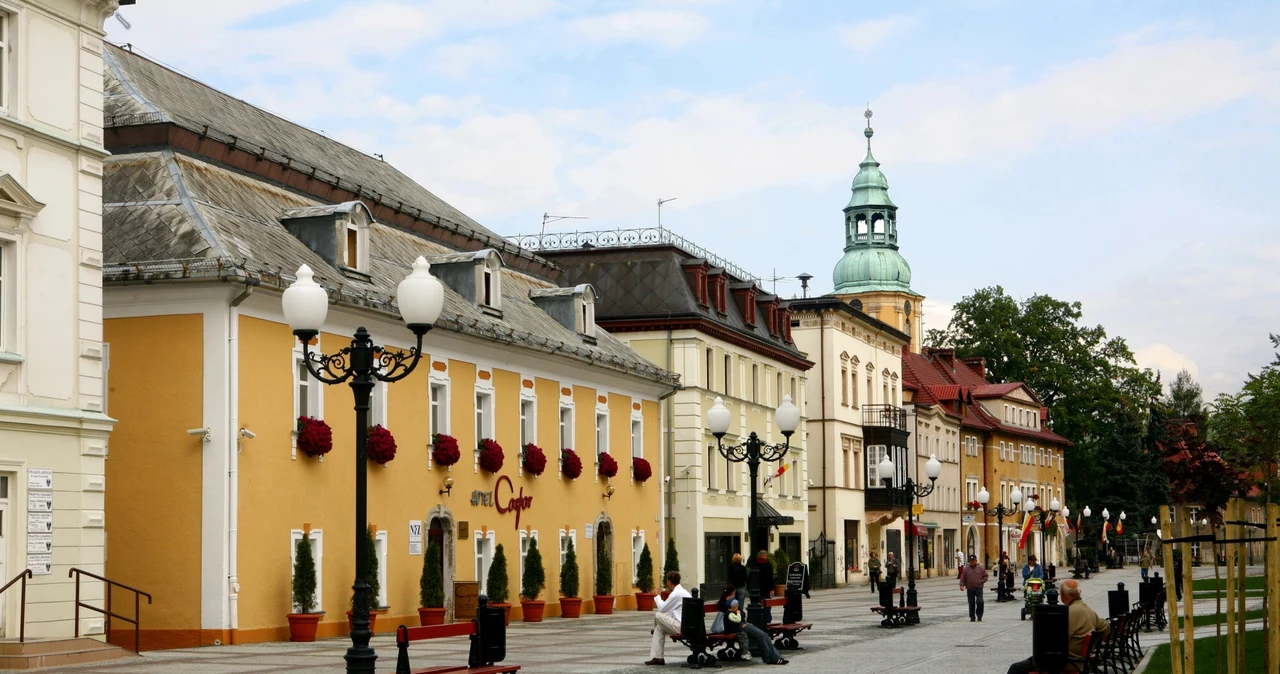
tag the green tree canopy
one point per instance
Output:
(672, 561)
(1245, 427)
(1186, 397)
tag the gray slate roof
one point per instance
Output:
(169, 216)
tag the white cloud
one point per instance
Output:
(1162, 358)
(667, 28)
(867, 35)
(936, 314)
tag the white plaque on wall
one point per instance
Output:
(588, 532)
(39, 522)
(40, 565)
(415, 537)
(39, 542)
(40, 501)
(39, 478)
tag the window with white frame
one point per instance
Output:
(484, 543)
(728, 378)
(602, 433)
(6, 46)
(484, 415)
(755, 383)
(525, 537)
(357, 247)
(6, 304)
(380, 549)
(528, 422)
(637, 547)
(875, 454)
(777, 390)
(709, 469)
(637, 438)
(440, 407)
(566, 535)
(1003, 451)
(795, 477)
(378, 404)
(566, 427)
(711, 367)
(489, 283)
(306, 389)
(317, 553)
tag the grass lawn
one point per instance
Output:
(1210, 619)
(1251, 583)
(1255, 660)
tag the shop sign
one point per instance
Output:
(481, 498)
(415, 537)
(39, 478)
(968, 519)
(516, 503)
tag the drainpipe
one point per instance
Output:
(669, 469)
(822, 386)
(233, 458)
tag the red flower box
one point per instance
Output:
(490, 455)
(381, 446)
(535, 461)
(608, 467)
(641, 469)
(572, 465)
(444, 449)
(315, 438)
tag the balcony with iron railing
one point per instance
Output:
(884, 416)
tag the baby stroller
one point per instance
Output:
(1032, 596)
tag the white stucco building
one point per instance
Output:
(53, 421)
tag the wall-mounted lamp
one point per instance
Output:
(247, 434)
(608, 493)
(448, 486)
(202, 433)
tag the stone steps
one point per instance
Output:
(39, 653)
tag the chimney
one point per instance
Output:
(977, 364)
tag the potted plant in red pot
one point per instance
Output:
(431, 588)
(570, 603)
(496, 583)
(672, 563)
(644, 581)
(604, 581)
(371, 577)
(532, 582)
(303, 624)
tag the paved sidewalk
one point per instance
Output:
(846, 638)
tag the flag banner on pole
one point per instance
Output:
(1106, 526)
(1026, 532)
(781, 469)
(1077, 523)
(1120, 528)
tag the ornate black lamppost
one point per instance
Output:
(1003, 591)
(1043, 515)
(914, 490)
(753, 450)
(420, 297)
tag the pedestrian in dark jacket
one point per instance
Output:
(873, 568)
(891, 570)
(973, 580)
(765, 578)
(738, 579)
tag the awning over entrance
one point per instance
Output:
(923, 528)
(769, 516)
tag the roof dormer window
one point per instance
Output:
(357, 247)
(584, 304)
(489, 283)
(574, 308)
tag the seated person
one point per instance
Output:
(666, 618)
(1081, 622)
(735, 623)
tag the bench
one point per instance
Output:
(477, 662)
(784, 633)
(703, 653)
(895, 616)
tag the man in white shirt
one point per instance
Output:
(666, 618)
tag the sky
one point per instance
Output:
(1123, 155)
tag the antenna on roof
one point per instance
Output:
(785, 279)
(662, 201)
(553, 218)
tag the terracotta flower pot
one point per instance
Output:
(664, 594)
(779, 590)
(373, 618)
(604, 604)
(571, 607)
(302, 626)
(431, 616)
(532, 610)
(504, 607)
(644, 601)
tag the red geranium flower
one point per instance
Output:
(641, 469)
(608, 467)
(490, 455)
(572, 464)
(534, 460)
(315, 438)
(381, 446)
(444, 449)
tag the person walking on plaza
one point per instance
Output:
(873, 567)
(1081, 622)
(891, 570)
(973, 580)
(738, 579)
(959, 563)
(666, 618)
(1145, 563)
(1032, 569)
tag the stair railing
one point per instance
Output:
(137, 605)
(22, 605)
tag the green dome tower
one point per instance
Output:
(873, 275)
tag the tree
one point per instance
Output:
(672, 562)
(781, 560)
(604, 571)
(569, 572)
(1186, 397)
(304, 576)
(644, 570)
(496, 583)
(431, 584)
(1245, 427)
(1129, 477)
(534, 578)
(1079, 373)
(371, 577)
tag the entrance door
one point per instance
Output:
(715, 572)
(893, 544)
(790, 544)
(852, 552)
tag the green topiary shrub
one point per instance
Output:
(672, 562)
(604, 571)
(431, 585)
(780, 563)
(371, 571)
(644, 570)
(304, 576)
(534, 579)
(569, 572)
(496, 583)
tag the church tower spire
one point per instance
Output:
(873, 275)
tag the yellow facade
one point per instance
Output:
(898, 310)
(155, 515)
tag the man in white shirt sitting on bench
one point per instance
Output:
(666, 618)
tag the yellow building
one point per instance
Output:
(209, 487)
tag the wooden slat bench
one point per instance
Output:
(725, 644)
(784, 633)
(404, 635)
(896, 616)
